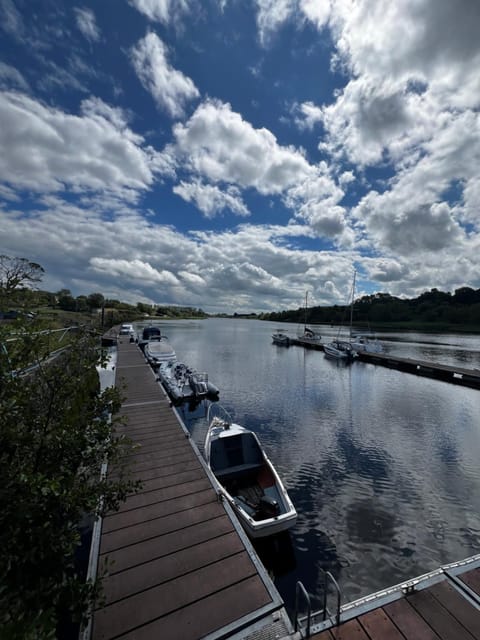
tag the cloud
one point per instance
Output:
(133, 270)
(11, 22)
(47, 149)
(164, 11)
(87, 24)
(271, 14)
(11, 78)
(218, 144)
(170, 88)
(307, 115)
(210, 199)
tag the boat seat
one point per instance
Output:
(230, 473)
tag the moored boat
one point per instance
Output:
(149, 334)
(246, 477)
(158, 352)
(281, 339)
(308, 335)
(368, 344)
(182, 383)
(339, 349)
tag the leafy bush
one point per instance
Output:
(55, 433)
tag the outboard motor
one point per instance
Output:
(268, 507)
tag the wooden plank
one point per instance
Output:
(140, 500)
(177, 522)
(147, 463)
(168, 567)
(410, 623)
(135, 516)
(442, 622)
(379, 626)
(141, 608)
(167, 470)
(472, 580)
(207, 615)
(350, 630)
(461, 608)
(159, 450)
(324, 635)
(172, 479)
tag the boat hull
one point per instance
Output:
(247, 479)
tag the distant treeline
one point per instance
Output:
(431, 307)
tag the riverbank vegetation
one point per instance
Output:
(56, 432)
(431, 311)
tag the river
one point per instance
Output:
(382, 466)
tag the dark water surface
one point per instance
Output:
(382, 466)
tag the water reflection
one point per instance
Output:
(381, 465)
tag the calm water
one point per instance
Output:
(382, 466)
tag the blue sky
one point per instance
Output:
(233, 154)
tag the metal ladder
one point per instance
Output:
(324, 613)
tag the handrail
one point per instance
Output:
(328, 576)
(299, 588)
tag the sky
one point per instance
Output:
(233, 155)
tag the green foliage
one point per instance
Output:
(55, 434)
(433, 308)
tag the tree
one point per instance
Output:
(54, 436)
(15, 274)
(96, 300)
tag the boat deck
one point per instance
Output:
(444, 605)
(178, 564)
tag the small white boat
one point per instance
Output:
(246, 477)
(182, 383)
(339, 349)
(158, 351)
(127, 330)
(281, 339)
(362, 342)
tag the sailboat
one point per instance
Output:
(308, 336)
(342, 349)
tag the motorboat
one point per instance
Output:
(281, 339)
(246, 477)
(127, 330)
(149, 334)
(365, 343)
(158, 352)
(339, 349)
(183, 383)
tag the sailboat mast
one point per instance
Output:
(306, 302)
(352, 301)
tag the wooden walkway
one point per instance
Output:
(447, 373)
(444, 605)
(178, 563)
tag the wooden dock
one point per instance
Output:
(442, 605)
(178, 563)
(448, 373)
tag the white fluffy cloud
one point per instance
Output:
(133, 270)
(210, 199)
(162, 10)
(87, 24)
(46, 149)
(170, 88)
(219, 144)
